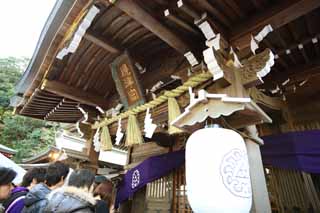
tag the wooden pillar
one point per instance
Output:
(93, 155)
(260, 197)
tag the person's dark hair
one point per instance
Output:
(39, 174)
(104, 190)
(55, 172)
(7, 175)
(64, 168)
(81, 178)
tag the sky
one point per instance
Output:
(21, 22)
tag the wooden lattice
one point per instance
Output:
(180, 201)
(292, 191)
(159, 195)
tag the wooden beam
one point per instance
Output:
(259, 5)
(235, 8)
(187, 9)
(304, 54)
(295, 75)
(102, 42)
(180, 22)
(279, 15)
(296, 44)
(144, 18)
(216, 13)
(73, 93)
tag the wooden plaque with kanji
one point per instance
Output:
(125, 76)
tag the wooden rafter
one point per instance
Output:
(235, 8)
(172, 17)
(187, 9)
(296, 44)
(144, 18)
(295, 75)
(73, 93)
(102, 42)
(217, 13)
(277, 16)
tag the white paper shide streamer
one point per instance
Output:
(96, 140)
(149, 127)
(85, 24)
(259, 37)
(119, 134)
(85, 118)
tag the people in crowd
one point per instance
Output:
(36, 199)
(33, 177)
(11, 196)
(103, 194)
(99, 179)
(76, 197)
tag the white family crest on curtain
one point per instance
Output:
(217, 172)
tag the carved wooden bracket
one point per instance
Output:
(270, 102)
(255, 68)
(217, 105)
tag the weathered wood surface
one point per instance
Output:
(279, 15)
(145, 19)
(73, 93)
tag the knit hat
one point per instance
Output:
(6, 175)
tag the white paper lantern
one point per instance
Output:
(217, 172)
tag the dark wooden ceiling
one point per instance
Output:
(294, 41)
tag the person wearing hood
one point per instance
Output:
(11, 196)
(76, 197)
(36, 200)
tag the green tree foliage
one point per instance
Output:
(10, 73)
(28, 136)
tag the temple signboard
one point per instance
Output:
(126, 80)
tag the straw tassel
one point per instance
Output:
(106, 143)
(173, 113)
(133, 133)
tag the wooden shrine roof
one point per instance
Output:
(53, 88)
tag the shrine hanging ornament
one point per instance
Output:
(149, 127)
(217, 172)
(96, 140)
(82, 120)
(119, 134)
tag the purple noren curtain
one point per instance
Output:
(293, 150)
(148, 171)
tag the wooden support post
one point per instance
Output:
(260, 197)
(93, 155)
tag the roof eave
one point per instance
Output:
(54, 22)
